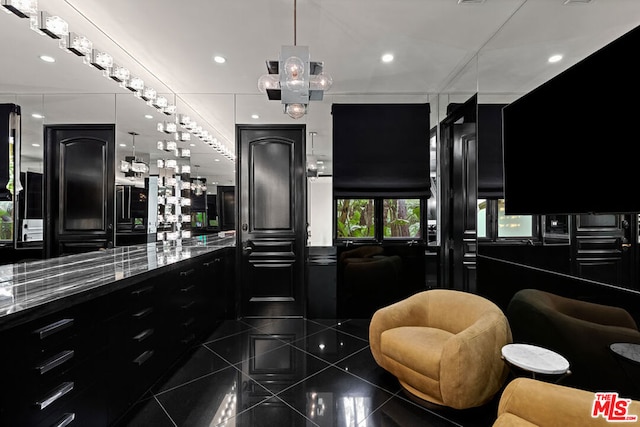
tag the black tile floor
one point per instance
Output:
(289, 372)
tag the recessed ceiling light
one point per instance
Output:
(193, 145)
(387, 57)
(148, 116)
(37, 116)
(123, 145)
(47, 58)
(555, 58)
(216, 160)
(255, 116)
(220, 59)
(36, 145)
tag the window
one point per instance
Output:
(482, 219)
(380, 219)
(401, 218)
(355, 218)
(513, 225)
(493, 224)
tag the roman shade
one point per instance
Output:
(490, 169)
(381, 150)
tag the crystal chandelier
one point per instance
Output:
(132, 166)
(294, 79)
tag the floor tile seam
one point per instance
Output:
(284, 343)
(346, 357)
(330, 363)
(364, 422)
(165, 411)
(250, 408)
(220, 356)
(337, 322)
(229, 336)
(304, 337)
(351, 335)
(253, 379)
(191, 381)
(301, 381)
(400, 395)
(298, 412)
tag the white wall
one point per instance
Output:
(320, 211)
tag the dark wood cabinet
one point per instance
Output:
(92, 361)
(79, 177)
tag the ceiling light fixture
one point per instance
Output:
(37, 116)
(35, 145)
(47, 58)
(53, 26)
(148, 116)
(219, 59)
(100, 60)
(555, 58)
(21, 8)
(294, 79)
(80, 45)
(255, 116)
(131, 166)
(312, 166)
(387, 57)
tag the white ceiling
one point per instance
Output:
(498, 48)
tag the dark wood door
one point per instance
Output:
(459, 199)
(79, 175)
(603, 248)
(271, 220)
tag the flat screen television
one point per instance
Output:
(570, 145)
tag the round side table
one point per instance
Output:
(536, 360)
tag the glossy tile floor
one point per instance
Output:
(289, 372)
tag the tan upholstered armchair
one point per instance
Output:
(581, 331)
(529, 403)
(443, 346)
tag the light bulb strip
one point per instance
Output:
(57, 28)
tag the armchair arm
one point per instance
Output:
(597, 313)
(471, 367)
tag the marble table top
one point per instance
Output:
(627, 350)
(535, 359)
(30, 284)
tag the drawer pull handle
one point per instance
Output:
(207, 264)
(188, 305)
(188, 288)
(142, 291)
(143, 335)
(187, 273)
(140, 360)
(55, 361)
(143, 313)
(53, 328)
(55, 395)
(189, 322)
(65, 420)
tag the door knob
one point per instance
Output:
(626, 245)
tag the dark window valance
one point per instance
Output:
(490, 167)
(381, 149)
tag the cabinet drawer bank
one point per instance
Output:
(86, 335)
